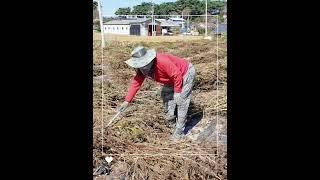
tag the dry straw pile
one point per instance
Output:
(139, 141)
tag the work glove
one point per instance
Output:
(123, 106)
(177, 98)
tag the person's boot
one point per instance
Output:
(177, 135)
(171, 119)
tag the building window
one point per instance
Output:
(117, 28)
(113, 28)
(109, 28)
(127, 28)
(122, 28)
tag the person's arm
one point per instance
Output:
(135, 86)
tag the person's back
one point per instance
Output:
(180, 63)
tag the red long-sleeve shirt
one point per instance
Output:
(168, 69)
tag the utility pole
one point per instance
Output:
(101, 24)
(206, 33)
(153, 21)
(182, 24)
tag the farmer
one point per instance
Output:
(176, 76)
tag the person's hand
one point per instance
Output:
(177, 98)
(123, 106)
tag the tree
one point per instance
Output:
(95, 10)
(215, 5)
(165, 8)
(173, 13)
(191, 7)
(194, 5)
(186, 11)
(123, 11)
(94, 4)
(142, 9)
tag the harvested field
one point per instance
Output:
(139, 139)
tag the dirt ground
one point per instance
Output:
(139, 140)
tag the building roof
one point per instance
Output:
(177, 19)
(125, 21)
(167, 23)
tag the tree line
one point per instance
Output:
(180, 7)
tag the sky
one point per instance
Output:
(109, 7)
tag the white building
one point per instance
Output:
(138, 26)
(117, 27)
(126, 27)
